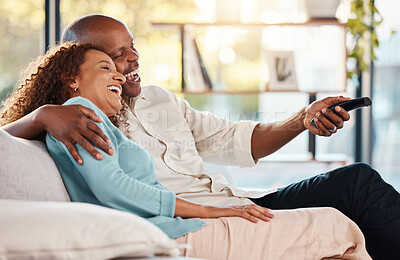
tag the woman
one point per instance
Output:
(81, 74)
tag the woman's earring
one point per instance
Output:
(75, 89)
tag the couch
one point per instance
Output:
(39, 221)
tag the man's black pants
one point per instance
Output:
(357, 191)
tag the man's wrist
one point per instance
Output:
(39, 120)
(302, 117)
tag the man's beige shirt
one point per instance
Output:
(180, 139)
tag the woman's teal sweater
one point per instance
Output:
(125, 180)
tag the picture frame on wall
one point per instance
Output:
(282, 71)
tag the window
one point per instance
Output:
(159, 50)
(386, 95)
(22, 39)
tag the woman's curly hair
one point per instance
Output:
(46, 81)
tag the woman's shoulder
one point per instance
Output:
(86, 103)
(105, 125)
(80, 101)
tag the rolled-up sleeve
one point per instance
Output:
(242, 143)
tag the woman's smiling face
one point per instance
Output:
(100, 82)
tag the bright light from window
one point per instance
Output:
(211, 40)
(271, 16)
(227, 55)
(271, 38)
(162, 72)
(207, 7)
(344, 10)
(216, 38)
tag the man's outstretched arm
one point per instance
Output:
(268, 138)
(69, 124)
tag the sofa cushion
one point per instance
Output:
(72, 230)
(27, 172)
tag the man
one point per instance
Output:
(180, 138)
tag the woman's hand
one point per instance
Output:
(188, 209)
(327, 121)
(250, 212)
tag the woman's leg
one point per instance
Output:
(357, 191)
(312, 233)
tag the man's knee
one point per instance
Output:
(358, 172)
(361, 167)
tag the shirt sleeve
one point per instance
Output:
(219, 140)
(111, 185)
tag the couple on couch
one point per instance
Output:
(158, 178)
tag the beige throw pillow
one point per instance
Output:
(70, 230)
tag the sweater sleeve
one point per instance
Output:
(109, 183)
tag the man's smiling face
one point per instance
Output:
(114, 38)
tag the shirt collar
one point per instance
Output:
(141, 95)
(132, 101)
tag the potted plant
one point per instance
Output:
(321, 9)
(365, 18)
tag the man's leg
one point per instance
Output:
(357, 191)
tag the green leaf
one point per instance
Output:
(373, 56)
(374, 36)
(353, 7)
(350, 74)
(357, 26)
(376, 24)
(375, 43)
(363, 66)
(374, 9)
(353, 55)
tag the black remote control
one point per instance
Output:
(349, 105)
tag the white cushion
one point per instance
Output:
(27, 172)
(71, 230)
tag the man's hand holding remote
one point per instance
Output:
(326, 120)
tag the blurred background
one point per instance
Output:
(228, 43)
